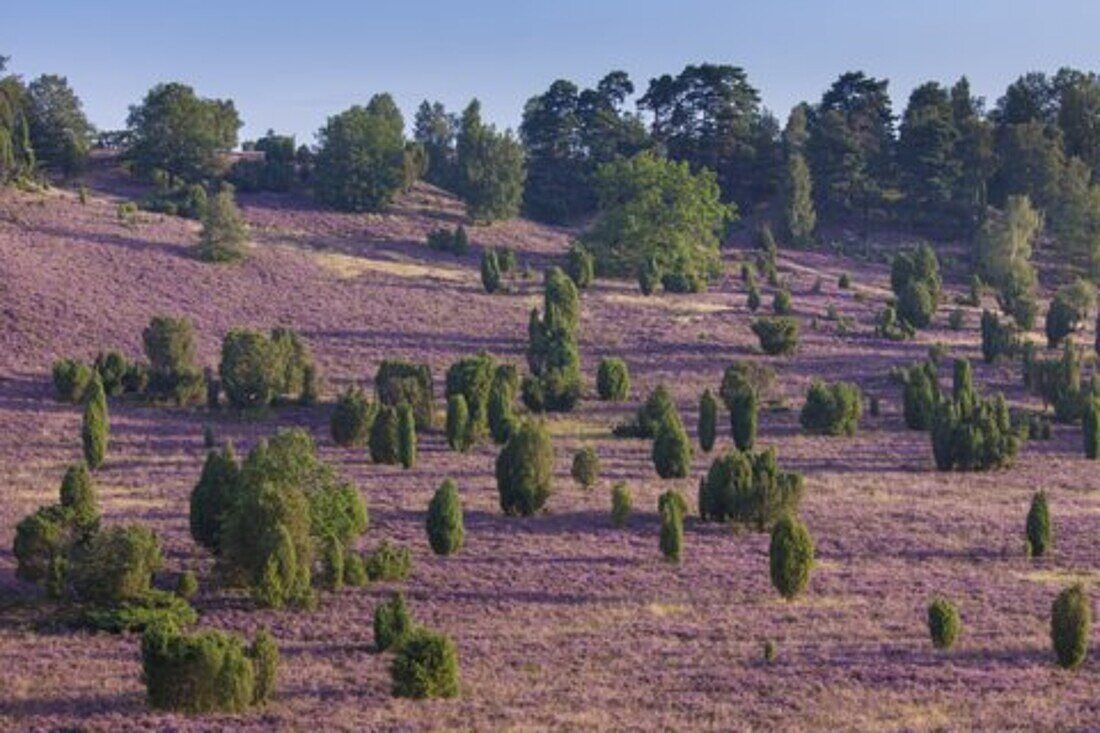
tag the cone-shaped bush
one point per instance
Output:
(525, 470)
(672, 451)
(426, 666)
(621, 504)
(352, 418)
(502, 397)
(1038, 525)
(406, 436)
(586, 467)
(213, 495)
(653, 411)
(402, 381)
(490, 271)
(790, 556)
(962, 380)
(385, 436)
(943, 623)
(391, 622)
(743, 412)
(920, 395)
(1070, 623)
(96, 427)
(1091, 429)
(332, 564)
(458, 423)
(708, 421)
(79, 498)
(224, 232)
(781, 303)
(265, 659)
(613, 380)
(672, 526)
(446, 532)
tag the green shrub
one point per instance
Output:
(622, 503)
(525, 470)
(389, 562)
(708, 421)
(392, 622)
(683, 281)
(672, 527)
(943, 623)
(613, 380)
(425, 666)
(1058, 383)
(649, 276)
(1070, 623)
(352, 418)
(333, 556)
(790, 556)
(832, 409)
(1038, 525)
(455, 242)
(580, 265)
(997, 339)
(78, 498)
(458, 424)
(778, 335)
(781, 303)
(586, 467)
(384, 437)
(672, 451)
(1091, 429)
(1068, 311)
(401, 381)
(749, 488)
(71, 379)
(974, 435)
(406, 436)
(921, 394)
(844, 282)
(117, 565)
(40, 538)
(187, 585)
(446, 532)
(552, 352)
(264, 653)
(257, 370)
(491, 278)
(507, 259)
(212, 496)
(355, 570)
(170, 349)
(753, 300)
(915, 280)
(111, 367)
(96, 426)
(472, 377)
(502, 397)
(224, 231)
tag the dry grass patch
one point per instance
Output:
(349, 267)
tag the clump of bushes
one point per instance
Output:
(401, 381)
(749, 488)
(71, 379)
(832, 409)
(1058, 383)
(1038, 526)
(1069, 310)
(790, 556)
(743, 384)
(454, 241)
(649, 416)
(586, 467)
(446, 532)
(670, 507)
(472, 378)
(352, 418)
(392, 622)
(425, 666)
(622, 503)
(920, 395)
(525, 470)
(915, 280)
(207, 672)
(257, 370)
(170, 350)
(971, 433)
(389, 562)
(943, 623)
(554, 384)
(778, 335)
(612, 380)
(45, 539)
(1070, 624)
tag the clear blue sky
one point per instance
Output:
(288, 65)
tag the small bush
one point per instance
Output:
(111, 367)
(742, 402)
(613, 380)
(491, 278)
(771, 651)
(1038, 525)
(683, 281)
(1070, 624)
(781, 303)
(672, 451)
(586, 467)
(392, 622)
(389, 562)
(406, 436)
(778, 335)
(708, 421)
(844, 282)
(117, 565)
(502, 397)
(652, 413)
(384, 437)
(264, 653)
(71, 379)
(426, 666)
(333, 556)
(224, 232)
(790, 556)
(752, 302)
(649, 276)
(401, 381)
(580, 265)
(355, 570)
(525, 470)
(96, 426)
(1091, 429)
(622, 503)
(446, 532)
(672, 527)
(943, 623)
(458, 424)
(455, 242)
(187, 585)
(831, 409)
(352, 418)
(920, 396)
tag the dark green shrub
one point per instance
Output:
(333, 556)
(622, 503)
(170, 350)
(491, 278)
(117, 565)
(708, 421)
(384, 437)
(552, 353)
(613, 380)
(1069, 309)
(1091, 429)
(458, 424)
(392, 622)
(943, 623)
(355, 570)
(78, 498)
(652, 412)
(401, 381)
(920, 395)
(1070, 623)
(672, 451)
(973, 435)
(781, 303)
(778, 335)
(507, 259)
(264, 654)
(71, 379)
(649, 276)
(832, 409)
(213, 495)
(956, 320)
(1058, 383)
(790, 556)
(472, 377)
(352, 418)
(1038, 525)
(997, 339)
(672, 526)
(749, 488)
(446, 532)
(915, 280)
(111, 367)
(580, 265)
(753, 300)
(40, 538)
(425, 666)
(586, 467)
(502, 397)
(525, 470)
(187, 585)
(844, 282)
(248, 368)
(406, 436)
(683, 281)
(389, 562)
(96, 427)
(455, 242)
(224, 231)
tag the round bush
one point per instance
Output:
(1038, 525)
(525, 470)
(352, 418)
(580, 265)
(426, 666)
(446, 532)
(790, 556)
(832, 409)
(1070, 623)
(778, 335)
(943, 623)
(586, 467)
(613, 380)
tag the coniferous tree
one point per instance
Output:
(96, 427)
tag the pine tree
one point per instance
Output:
(799, 216)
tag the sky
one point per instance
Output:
(290, 65)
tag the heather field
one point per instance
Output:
(562, 622)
